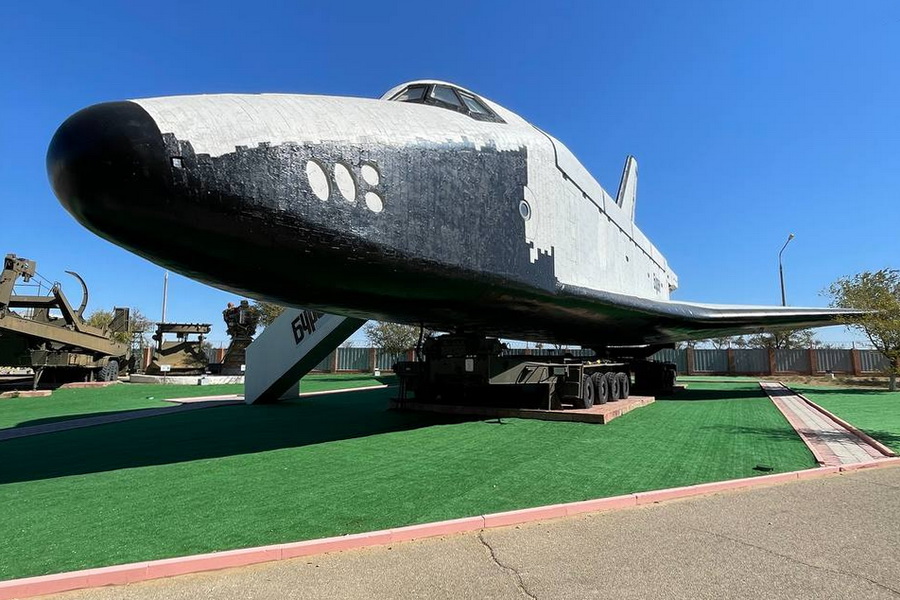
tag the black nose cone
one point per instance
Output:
(108, 166)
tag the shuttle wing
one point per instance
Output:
(670, 321)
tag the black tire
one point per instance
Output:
(588, 393)
(624, 385)
(613, 384)
(601, 385)
(670, 378)
(109, 372)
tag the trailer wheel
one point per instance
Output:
(670, 378)
(602, 387)
(109, 372)
(624, 385)
(588, 393)
(612, 383)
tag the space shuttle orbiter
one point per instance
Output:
(432, 205)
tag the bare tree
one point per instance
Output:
(878, 293)
(723, 343)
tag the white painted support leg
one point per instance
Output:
(290, 348)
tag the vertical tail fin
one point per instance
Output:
(627, 196)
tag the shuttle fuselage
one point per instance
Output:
(431, 205)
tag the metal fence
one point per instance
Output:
(872, 361)
(386, 360)
(835, 360)
(792, 361)
(353, 359)
(710, 361)
(751, 361)
(766, 362)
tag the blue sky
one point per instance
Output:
(750, 120)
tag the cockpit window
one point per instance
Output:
(474, 105)
(448, 97)
(411, 94)
(442, 93)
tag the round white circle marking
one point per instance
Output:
(318, 181)
(370, 175)
(374, 202)
(345, 182)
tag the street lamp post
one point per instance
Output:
(781, 268)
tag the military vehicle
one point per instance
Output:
(44, 332)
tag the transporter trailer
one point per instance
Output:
(466, 370)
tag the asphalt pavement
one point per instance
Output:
(835, 537)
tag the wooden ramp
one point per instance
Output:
(599, 413)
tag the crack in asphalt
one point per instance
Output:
(797, 560)
(520, 583)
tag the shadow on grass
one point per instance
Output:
(732, 394)
(883, 392)
(772, 433)
(168, 402)
(208, 433)
(91, 415)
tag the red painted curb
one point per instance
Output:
(600, 504)
(335, 544)
(515, 517)
(416, 532)
(873, 464)
(820, 472)
(141, 571)
(713, 487)
(857, 432)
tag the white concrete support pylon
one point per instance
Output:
(289, 348)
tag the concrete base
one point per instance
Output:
(187, 379)
(600, 414)
(26, 394)
(87, 384)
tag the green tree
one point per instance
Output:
(783, 340)
(268, 311)
(100, 318)
(137, 323)
(877, 293)
(392, 337)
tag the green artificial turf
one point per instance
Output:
(239, 476)
(689, 379)
(875, 412)
(74, 403)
